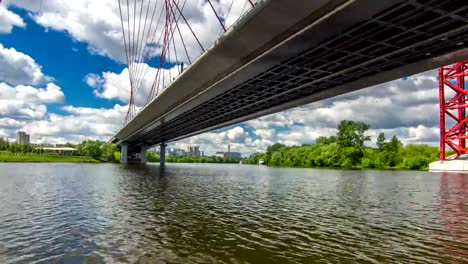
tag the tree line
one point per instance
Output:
(154, 157)
(89, 148)
(347, 149)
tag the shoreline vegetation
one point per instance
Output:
(154, 157)
(38, 158)
(88, 151)
(347, 150)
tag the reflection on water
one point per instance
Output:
(191, 213)
(453, 213)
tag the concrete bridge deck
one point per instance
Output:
(289, 53)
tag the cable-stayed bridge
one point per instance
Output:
(279, 54)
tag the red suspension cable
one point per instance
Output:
(186, 22)
(217, 16)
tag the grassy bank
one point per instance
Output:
(21, 158)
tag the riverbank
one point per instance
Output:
(348, 169)
(33, 158)
(154, 157)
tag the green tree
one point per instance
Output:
(351, 157)
(394, 144)
(69, 145)
(108, 151)
(322, 140)
(351, 134)
(381, 141)
(90, 148)
(271, 149)
(275, 147)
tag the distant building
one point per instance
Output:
(22, 138)
(176, 152)
(63, 151)
(229, 154)
(194, 151)
(42, 145)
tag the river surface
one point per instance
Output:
(194, 213)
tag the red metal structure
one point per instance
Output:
(140, 29)
(453, 108)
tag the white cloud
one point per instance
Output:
(423, 134)
(117, 85)
(93, 80)
(8, 20)
(26, 102)
(19, 68)
(82, 122)
(236, 135)
(212, 142)
(28, 94)
(94, 22)
(78, 124)
(98, 23)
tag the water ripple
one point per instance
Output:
(105, 213)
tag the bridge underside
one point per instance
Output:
(358, 45)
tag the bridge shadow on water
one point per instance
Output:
(146, 169)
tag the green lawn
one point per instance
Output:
(19, 158)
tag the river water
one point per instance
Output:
(194, 213)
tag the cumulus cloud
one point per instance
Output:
(51, 94)
(110, 85)
(94, 22)
(405, 107)
(19, 68)
(26, 102)
(98, 23)
(8, 20)
(237, 137)
(79, 123)
(407, 102)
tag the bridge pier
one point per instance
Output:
(124, 153)
(162, 155)
(143, 154)
(133, 156)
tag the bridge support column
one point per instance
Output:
(124, 153)
(143, 154)
(453, 117)
(162, 155)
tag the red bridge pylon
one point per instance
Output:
(453, 108)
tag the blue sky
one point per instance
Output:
(63, 78)
(63, 58)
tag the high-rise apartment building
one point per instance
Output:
(22, 138)
(194, 151)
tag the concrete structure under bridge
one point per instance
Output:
(286, 53)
